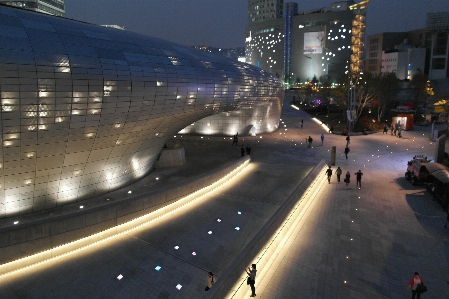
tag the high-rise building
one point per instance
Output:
(438, 24)
(52, 7)
(297, 46)
(388, 42)
(264, 10)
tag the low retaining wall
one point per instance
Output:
(43, 239)
(233, 273)
(171, 158)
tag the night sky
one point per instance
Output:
(221, 23)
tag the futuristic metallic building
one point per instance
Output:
(87, 109)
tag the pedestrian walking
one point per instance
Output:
(309, 140)
(234, 140)
(447, 219)
(392, 130)
(358, 176)
(338, 172)
(248, 150)
(385, 129)
(242, 151)
(416, 284)
(347, 179)
(252, 279)
(329, 174)
(347, 151)
(210, 281)
(348, 140)
(322, 139)
(399, 132)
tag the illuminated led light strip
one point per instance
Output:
(321, 124)
(296, 215)
(294, 106)
(119, 230)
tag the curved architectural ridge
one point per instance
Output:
(86, 109)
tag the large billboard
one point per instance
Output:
(313, 42)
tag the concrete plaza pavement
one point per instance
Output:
(353, 244)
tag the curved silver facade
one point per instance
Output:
(255, 119)
(87, 109)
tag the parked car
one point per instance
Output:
(416, 172)
(434, 176)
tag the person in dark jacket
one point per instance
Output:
(242, 151)
(347, 179)
(346, 151)
(310, 140)
(248, 150)
(358, 176)
(338, 172)
(252, 279)
(235, 140)
(329, 174)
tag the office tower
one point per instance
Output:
(51, 7)
(264, 10)
(324, 42)
(438, 24)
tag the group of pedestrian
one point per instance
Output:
(247, 150)
(395, 130)
(347, 178)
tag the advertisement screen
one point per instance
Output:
(313, 42)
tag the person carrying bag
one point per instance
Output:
(210, 281)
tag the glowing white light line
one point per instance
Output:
(266, 257)
(322, 124)
(119, 230)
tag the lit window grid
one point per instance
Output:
(65, 87)
(339, 41)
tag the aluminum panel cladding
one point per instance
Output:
(87, 109)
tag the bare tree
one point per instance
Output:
(380, 89)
